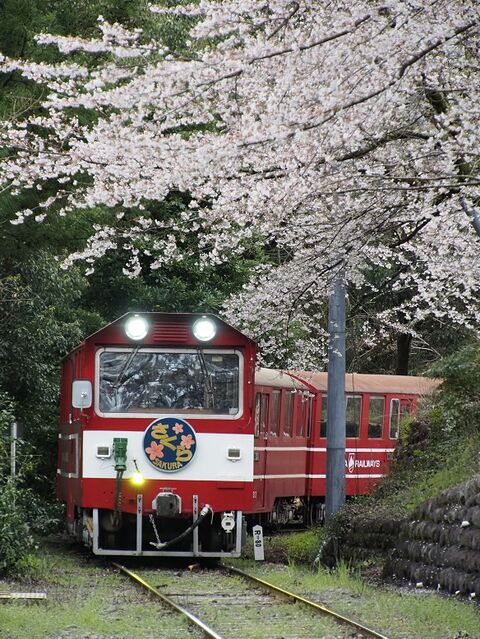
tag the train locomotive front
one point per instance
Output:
(156, 436)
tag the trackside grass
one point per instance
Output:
(89, 600)
(397, 613)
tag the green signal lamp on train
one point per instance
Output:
(120, 453)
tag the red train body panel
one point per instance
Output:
(213, 438)
(290, 436)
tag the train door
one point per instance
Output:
(260, 450)
(316, 446)
(399, 408)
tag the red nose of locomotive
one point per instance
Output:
(157, 437)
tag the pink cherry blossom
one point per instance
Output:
(338, 135)
(155, 450)
(178, 428)
(187, 441)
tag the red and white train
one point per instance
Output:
(170, 437)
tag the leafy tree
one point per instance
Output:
(341, 134)
(40, 325)
(45, 308)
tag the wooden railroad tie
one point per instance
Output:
(23, 595)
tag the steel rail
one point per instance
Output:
(209, 632)
(319, 608)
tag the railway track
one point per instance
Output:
(227, 603)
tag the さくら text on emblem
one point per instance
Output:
(170, 443)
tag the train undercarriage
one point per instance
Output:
(204, 534)
(291, 511)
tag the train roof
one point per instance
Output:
(364, 383)
(354, 382)
(278, 379)
(165, 329)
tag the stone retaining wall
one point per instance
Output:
(439, 545)
(361, 537)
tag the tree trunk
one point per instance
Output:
(403, 353)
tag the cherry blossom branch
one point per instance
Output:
(424, 52)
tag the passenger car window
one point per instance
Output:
(375, 417)
(287, 413)
(309, 416)
(301, 415)
(258, 409)
(261, 413)
(394, 418)
(323, 417)
(275, 413)
(352, 416)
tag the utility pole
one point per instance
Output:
(335, 497)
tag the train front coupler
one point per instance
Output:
(159, 545)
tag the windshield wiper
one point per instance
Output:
(121, 373)
(210, 403)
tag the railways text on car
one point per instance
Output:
(169, 437)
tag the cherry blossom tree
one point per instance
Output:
(337, 134)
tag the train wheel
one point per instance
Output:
(315, 512)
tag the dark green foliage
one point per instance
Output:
(181, 287)
(24, 510)
(40, 324)
(460, 370)
(16, 541)
(38, 301)
(21, 20)
(23, 514)
(391, 353)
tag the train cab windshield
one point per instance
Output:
(181, 381)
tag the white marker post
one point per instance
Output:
(13, 449)
(258, 543)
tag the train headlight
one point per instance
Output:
(137, 478)
(136, 327)
(204, 329)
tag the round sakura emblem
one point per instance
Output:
(170, 444)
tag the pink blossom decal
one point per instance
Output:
(178, 428)
(187, 441)
(155, 450)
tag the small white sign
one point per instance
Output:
(258, 543)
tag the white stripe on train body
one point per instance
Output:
(210, 461)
